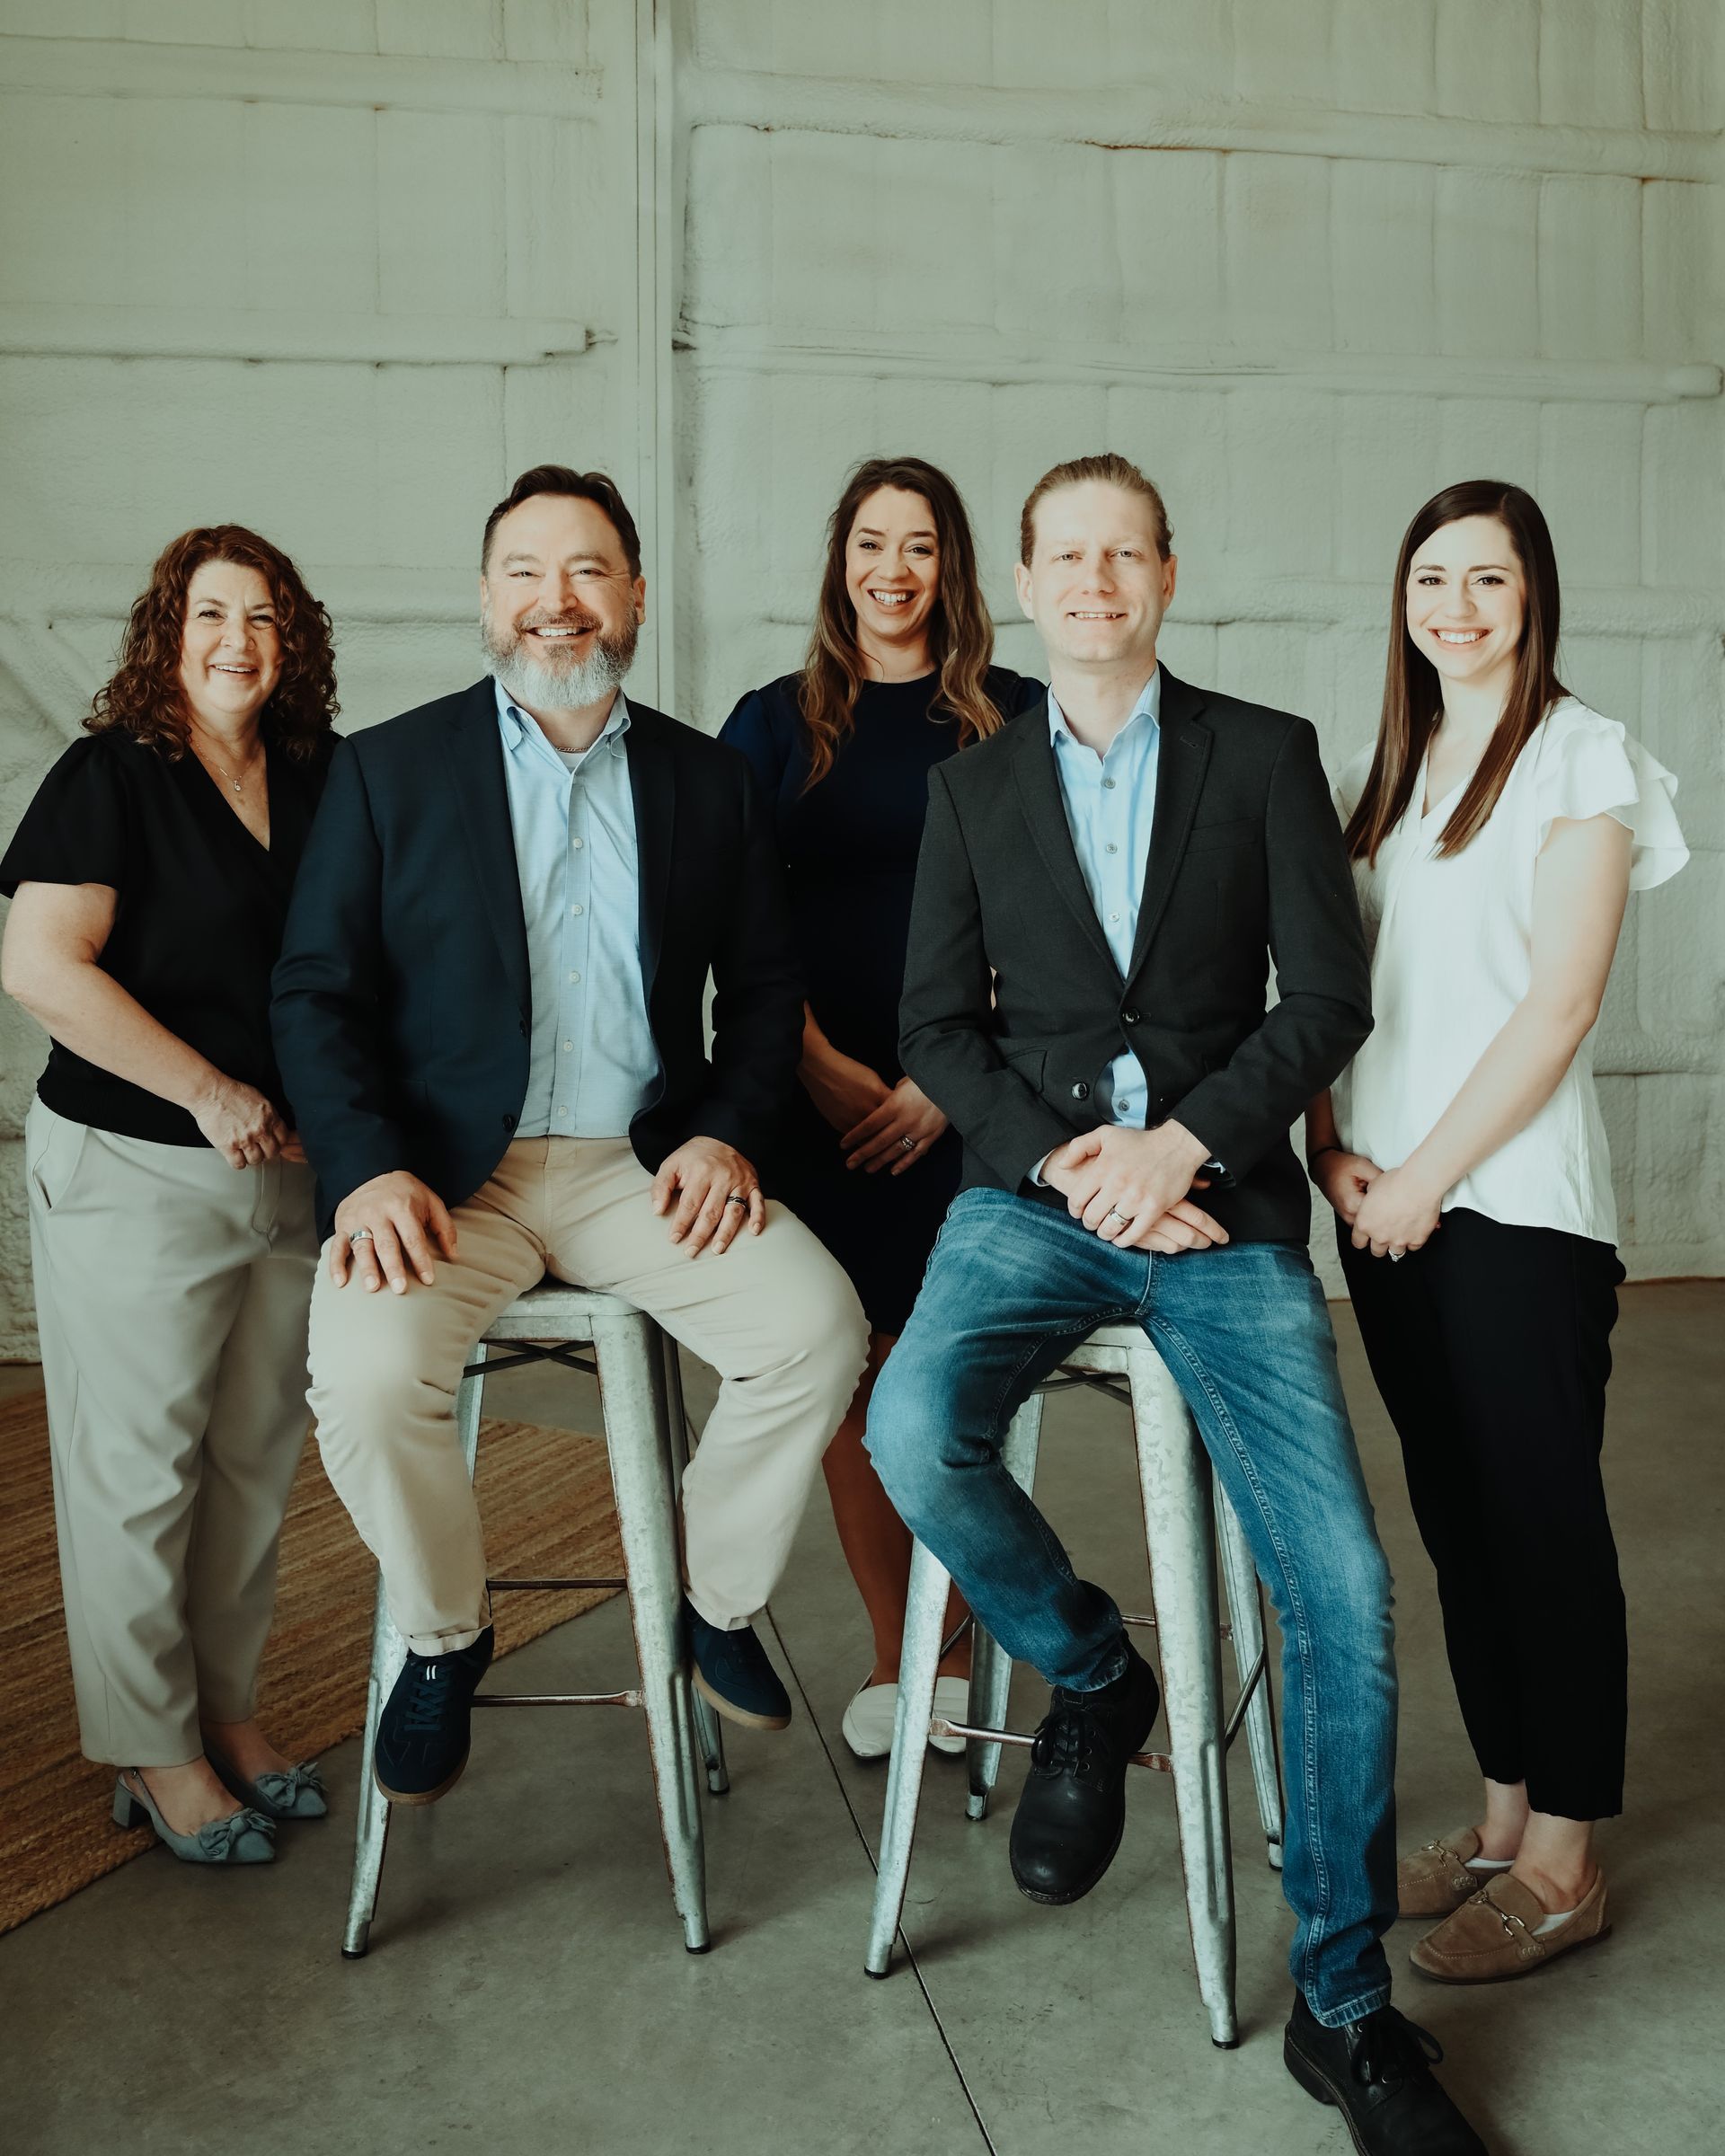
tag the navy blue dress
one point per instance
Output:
(850, 847)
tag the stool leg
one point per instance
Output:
(632, 1393)
(1174, 1478)
(1246, 1614)
(708, 1733)
(388, 1653)
(371, 1833)
(991, 1667)
(924, 1616)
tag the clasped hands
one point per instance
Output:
(1132, 1187)
(395, 1225)
(1390, 1210)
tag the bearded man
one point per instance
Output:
(488, 1011)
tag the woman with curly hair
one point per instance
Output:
(170, 1205)
(898, 678)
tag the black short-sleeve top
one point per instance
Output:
(199, 918)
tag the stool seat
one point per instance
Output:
(645, 1431)
(572, 1311)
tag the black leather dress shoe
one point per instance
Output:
(423, 1730)
(1377, 2073)
(1073, 1810)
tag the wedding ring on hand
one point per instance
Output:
(736, 1199)
(360, 1235)
(1397, 1256)
(909, 1143)
(1114, 1213)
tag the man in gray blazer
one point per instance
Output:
(1101, 887)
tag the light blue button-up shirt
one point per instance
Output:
(592, 1064)
(1110, 802)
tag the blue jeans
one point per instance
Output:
(1013, 1285)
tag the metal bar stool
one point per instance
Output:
(646, 1436)
(1175, 1484)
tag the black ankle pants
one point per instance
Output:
(1491, 1348)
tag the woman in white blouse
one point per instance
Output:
(1497, 828)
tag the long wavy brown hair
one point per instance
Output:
(960, 635)
(145, 696)
(1413, 700)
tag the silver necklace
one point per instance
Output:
(237, 784)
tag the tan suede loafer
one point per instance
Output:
(1436, 1879)
(1495, 1935)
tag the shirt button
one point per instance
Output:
(578, 844)
(574, 976)
(578, 909)
(1107, 786)
(1113, 916)
(1111, 849)
(568, 1047)
(562, 1115)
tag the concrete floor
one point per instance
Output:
(527, 1989)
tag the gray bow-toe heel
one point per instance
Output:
(245, 1837)
(278, 1792)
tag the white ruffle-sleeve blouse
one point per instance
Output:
(1451, 944)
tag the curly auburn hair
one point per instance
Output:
(145, 696)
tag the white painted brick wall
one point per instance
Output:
(1305, 259)
(407, 168)
(1198, 237)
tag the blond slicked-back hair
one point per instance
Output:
(1118, 471)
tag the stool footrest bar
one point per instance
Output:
(1223, 1631)
(939, 1725)
(630, 1697)
(509, 1586)
(1249, 1684)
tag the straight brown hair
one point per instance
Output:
(1413, 701)
(960, 635)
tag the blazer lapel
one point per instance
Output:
(1038, 793)
(652, 780)
(1183, 754)
(475, 746)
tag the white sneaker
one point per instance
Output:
(869, 1719)
(952, 1704)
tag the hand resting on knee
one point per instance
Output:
(387, 1225)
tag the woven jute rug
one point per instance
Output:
(546, 1500)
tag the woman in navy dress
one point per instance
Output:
(898, 678)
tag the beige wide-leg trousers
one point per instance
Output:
(171, 1293)
(775, 1315)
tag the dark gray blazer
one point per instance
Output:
(402, 1009)
(1246, 863)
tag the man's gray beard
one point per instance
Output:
(531, 681)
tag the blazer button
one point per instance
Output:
(524, 1027)
(1128, 1018)
(508, 1122)
(1081, 1091)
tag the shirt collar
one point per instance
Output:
(515, 721)
(1148, 706)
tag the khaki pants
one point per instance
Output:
(774, 1316)
(171, 1292)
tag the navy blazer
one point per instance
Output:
(402, 1009)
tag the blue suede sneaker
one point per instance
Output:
(732, 1672)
